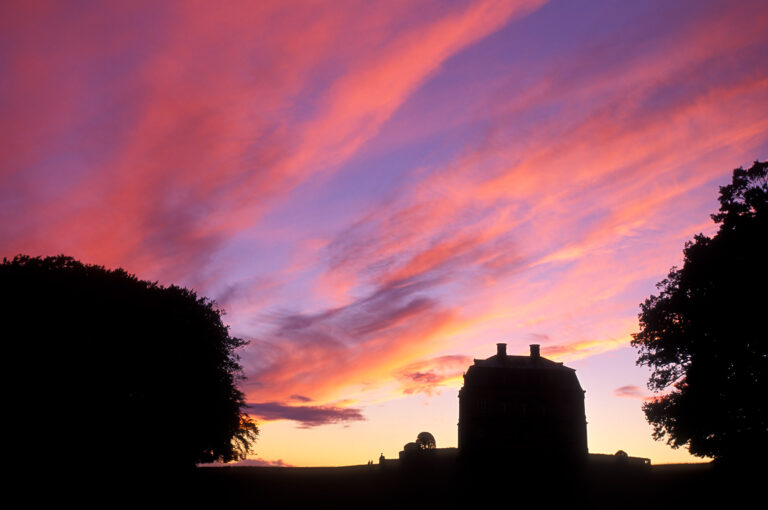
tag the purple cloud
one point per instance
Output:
(307, 416)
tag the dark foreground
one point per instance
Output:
(663, 486)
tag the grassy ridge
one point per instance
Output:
(662, 486)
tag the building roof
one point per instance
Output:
(521, 372)
(533, 362)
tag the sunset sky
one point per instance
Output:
(379, 192)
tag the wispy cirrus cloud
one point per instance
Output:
(363, 185)
(521, 206)
(203, 133)
(571, 192)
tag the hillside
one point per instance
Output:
(662, 486)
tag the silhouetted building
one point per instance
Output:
(521, 408)
(424, 453)
(410, 457)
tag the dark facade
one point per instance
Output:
(521, 407)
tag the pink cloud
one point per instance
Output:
(249, 463)
(570, 190)
(634, 392)
(194, 142)
(429, 375)
(157, 142)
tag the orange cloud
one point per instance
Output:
(322, 355)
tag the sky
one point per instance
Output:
(377, 192)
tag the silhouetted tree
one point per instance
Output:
(705, 336)
(110, 369)
(425, 441)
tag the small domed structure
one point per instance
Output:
(426, 441)
(410, 447)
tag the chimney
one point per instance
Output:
(535, 354)
(501, 350)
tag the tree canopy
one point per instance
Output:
(112, 369)
(704, 335)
